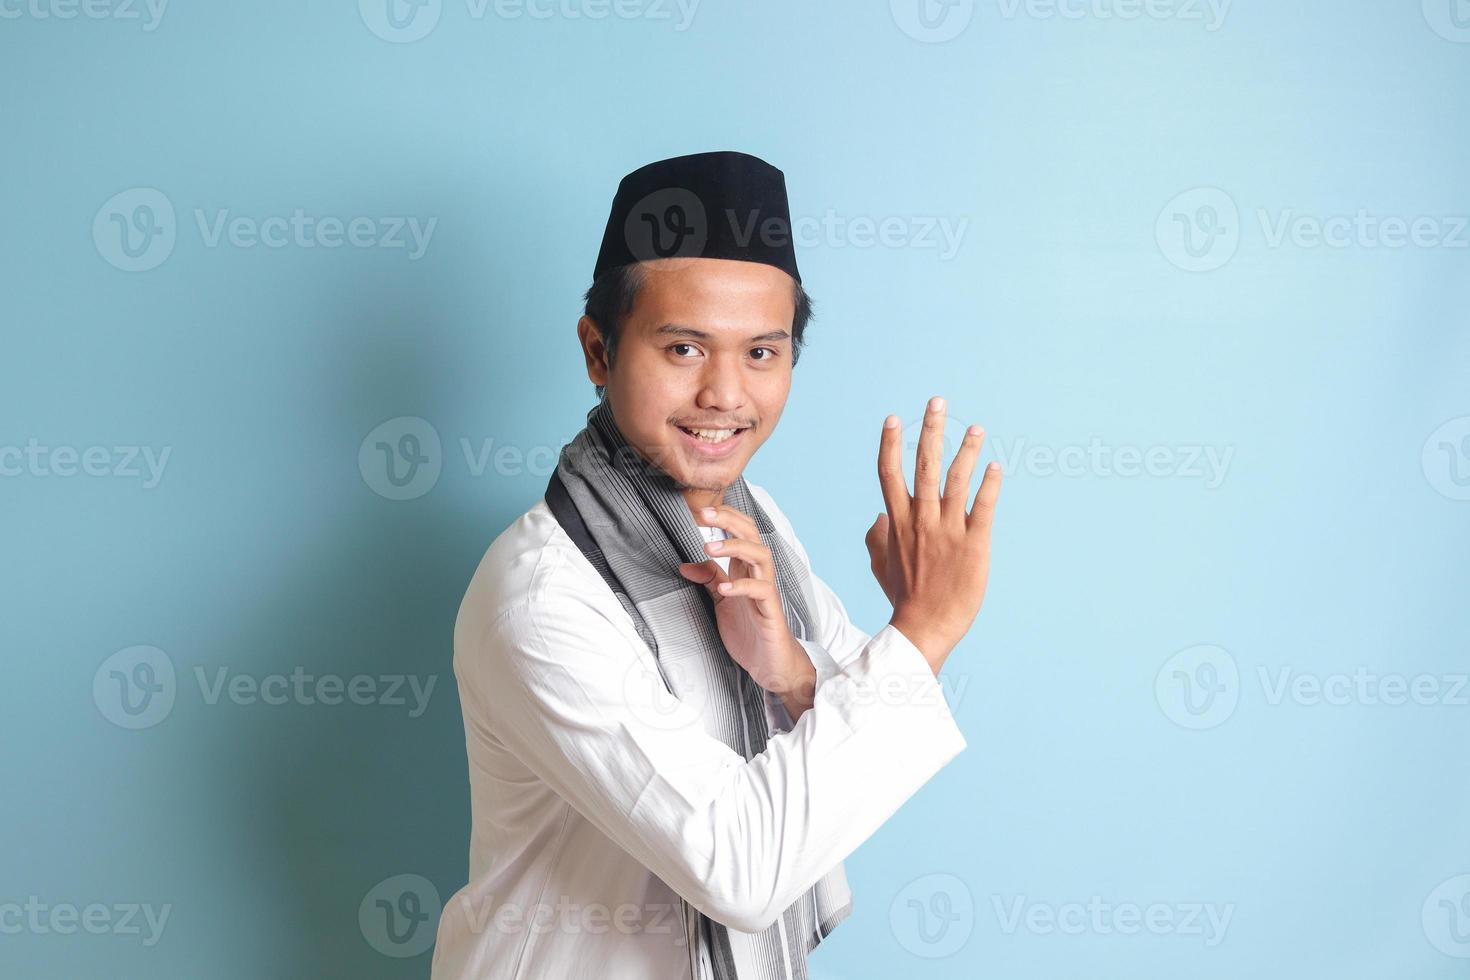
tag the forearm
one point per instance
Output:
(873, 735)
(741, 839)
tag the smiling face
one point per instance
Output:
(707, 346)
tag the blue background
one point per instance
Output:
(1335, 377)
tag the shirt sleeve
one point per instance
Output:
(578, 699)
(837, 640)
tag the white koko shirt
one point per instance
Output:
(598, 800)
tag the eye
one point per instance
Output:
(770, 350)
(675, 346)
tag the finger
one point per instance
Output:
(730, 519)
(983, 512)
(890, 470)
(753, 553)
(738, 525)
(706, 573)
(928, 459)
(957, 483)
(877, 540)
(767, 602)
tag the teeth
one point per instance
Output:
(711, 435)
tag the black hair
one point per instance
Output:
(610, 299)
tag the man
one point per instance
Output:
(675, 734)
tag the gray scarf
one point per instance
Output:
(635, 527)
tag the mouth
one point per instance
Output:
(712, 443)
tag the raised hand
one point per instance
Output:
(931, 554)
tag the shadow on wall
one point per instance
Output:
(334, 801)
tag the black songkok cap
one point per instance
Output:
(719, 205)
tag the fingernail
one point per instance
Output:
(708, 512)
(726, 586)
(936, 404)
(891, 422)
(713, 546)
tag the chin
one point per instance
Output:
(709, 477)
(704, 481)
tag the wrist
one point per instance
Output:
(796, 683)
(932, 643)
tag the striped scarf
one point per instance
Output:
(635, 527)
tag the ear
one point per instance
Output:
(593, 349)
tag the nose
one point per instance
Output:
(720, 385)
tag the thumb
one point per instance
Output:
(706, 573)
(877, 539)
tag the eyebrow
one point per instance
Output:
(679, 330)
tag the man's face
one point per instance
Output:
(707, 346)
